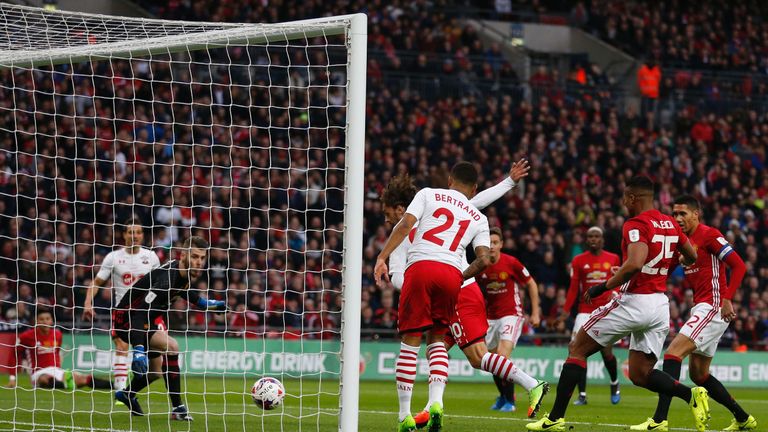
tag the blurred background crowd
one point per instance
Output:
(259, 170)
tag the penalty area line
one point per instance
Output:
(59, 427)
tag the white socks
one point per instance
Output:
(438, 372)
(405, 375)
(506, 370)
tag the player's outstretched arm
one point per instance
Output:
(207, 304)
(637, 253)
(482, 260)
(487, 197)
(88, 312)
(397, 236)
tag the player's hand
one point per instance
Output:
(535, 319)
(88, 313)
(562, 317)
(727, 312)
(519, 170)
(381, 272)
(140, 363)
(593, 292)
(615, 269)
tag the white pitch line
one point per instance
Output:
(54, 427)
(516, 419)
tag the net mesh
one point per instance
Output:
(236, 135)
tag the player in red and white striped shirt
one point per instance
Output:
(39, 351)
(709, 317)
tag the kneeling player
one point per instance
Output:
(40, 347)
(709, 317)
(148, 301)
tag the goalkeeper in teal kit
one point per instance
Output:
(139, 320)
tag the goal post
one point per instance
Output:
(250, 135)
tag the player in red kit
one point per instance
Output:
(709, 318)
(588, 269)
(649, 244)
(38, 350)
(500, 283)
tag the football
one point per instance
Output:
(268, 393)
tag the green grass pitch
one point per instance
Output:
(220, 404)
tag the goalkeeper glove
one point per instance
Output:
(219, 305)
(140, 363)
(598, 289)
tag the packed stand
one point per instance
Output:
(106, 143)
(580, 145)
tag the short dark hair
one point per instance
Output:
(133, 220)
(688, 200)
(640, 183)
(497, 231)
(399, 191)
(195, 242)
(42, 310)
(464, 173)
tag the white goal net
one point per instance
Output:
(248, 135)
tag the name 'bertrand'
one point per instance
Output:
(458, 203)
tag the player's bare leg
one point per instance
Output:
(405, 375)
(480, 358)
(579, 350)
(50, 382)
(642, 374)
(698, 368)
(609, 360)
(506, 400)
(120, 364)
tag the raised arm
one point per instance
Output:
(488, 196)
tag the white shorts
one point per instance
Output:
(56, 372)
(578, 323)
(705, 327)
(643, 316)
(506, 328)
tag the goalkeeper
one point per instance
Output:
(139, 320)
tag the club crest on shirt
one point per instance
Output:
(607, 265)
(503, 275)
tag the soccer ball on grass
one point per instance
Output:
(268, 393)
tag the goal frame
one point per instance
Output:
(219, 35)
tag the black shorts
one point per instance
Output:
(121, 327)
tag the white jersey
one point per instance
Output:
(124, 269)
(447, 224)
(399, 257)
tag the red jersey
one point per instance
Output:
(500, 284)
(42, 350)
(707, 274)
(588, 270)
(663, 236)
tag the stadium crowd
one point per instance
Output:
(63, 189)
